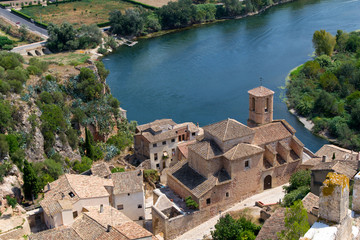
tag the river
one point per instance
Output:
(203, 74)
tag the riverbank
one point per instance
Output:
(164, 32)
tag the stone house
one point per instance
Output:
(233, 161)
(65, 198)
(97, 223)
(158, 141)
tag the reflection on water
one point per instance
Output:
(203, 74)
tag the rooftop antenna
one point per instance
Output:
(261, 81)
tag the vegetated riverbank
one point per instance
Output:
(326, 91)
(221, 19)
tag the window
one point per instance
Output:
(120, 207)
(253, 104)
(158, 165)
(267, 105)
(193, 134)
(155, 156)
(180, 138)
(75, 214)
(128, 194)
(154, 145)
(227, 194)
(164, 142)
(247, 164)
(71, 194)
(139, 205)
(208, 201)
(173, 151)
(141, 218)
(173, 140)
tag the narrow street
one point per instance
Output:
(267, 197)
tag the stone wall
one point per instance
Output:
(283, 150)
(356, 194)
(178, 188)
(334, 198)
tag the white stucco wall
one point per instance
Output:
(87, 202)
(130, 203)
(67, 217)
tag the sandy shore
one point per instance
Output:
(307, 123)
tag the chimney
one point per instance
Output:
(108, 228)
(324, 158)
(48, 186)
(62, 196)
(101, 208)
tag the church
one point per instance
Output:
(233, 161)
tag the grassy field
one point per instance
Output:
(67, 58)
(78, 13)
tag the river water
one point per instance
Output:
(203, 74)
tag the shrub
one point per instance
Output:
(190, 203)
(114, 170)
(82, 166)
(11, 201)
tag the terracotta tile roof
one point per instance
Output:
(312, 162)
(127, 182)
(88, 186)
(310, 201)
(101, 170)
(160, 137)
(133, 230)
(183, 148)
(272, 225)
(206, 149)
(228, 129)
(342, 167)
(340, 153)
(69, 188)
(271, 132)
(156, 123)
(109, 216)
(260, 91)
(87, 228)
(60, 233)
(113, 234)
(196, 183)
(242, 150)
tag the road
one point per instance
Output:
(269, 196)
(31, 26)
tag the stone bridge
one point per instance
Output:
(33, 49)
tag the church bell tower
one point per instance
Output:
(260, 106)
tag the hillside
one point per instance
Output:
(60, 118)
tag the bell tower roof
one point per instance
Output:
(260, 92)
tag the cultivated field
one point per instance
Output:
(155, 3)
(78, 13)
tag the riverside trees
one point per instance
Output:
(327, 89)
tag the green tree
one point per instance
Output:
(329, 82)
(230, 229)
(232, 7)
(296, 222)
(89, 36)
(129, 24)
(82, 166)
(5, 116)
(341, 40)
(323, 42)
(176, 14)
(62, 37)
(23, 32)
(31, 182)
(298, 188)
(89, 148)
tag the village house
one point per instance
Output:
(233, 161)
(159, 140)
(97, 223)
(65, 198)
(330, 158)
